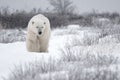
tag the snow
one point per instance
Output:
(12, 54)
(73, 26)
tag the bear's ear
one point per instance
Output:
(33, 22)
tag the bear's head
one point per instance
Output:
(38, 24)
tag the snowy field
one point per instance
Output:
(16, 54)
(79, 53)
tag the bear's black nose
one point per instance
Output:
(39, 32)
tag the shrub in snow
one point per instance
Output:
(65, 32)
(73, 27)
(9, 36)
(101, 22)
(59, 75)
(90, 40)
(109, 39)
(78, 73)
(84, 39)
(71, 54)
(111, 30)
(32, 70)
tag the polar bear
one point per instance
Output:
(38, 34)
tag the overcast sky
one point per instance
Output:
(81, 5)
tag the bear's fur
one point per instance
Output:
(38, 34)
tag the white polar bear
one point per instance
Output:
(38, 34)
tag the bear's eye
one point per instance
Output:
(33, 22)
(37, 27)
(44, 22)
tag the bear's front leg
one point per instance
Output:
(33, 46)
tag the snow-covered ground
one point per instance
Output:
(82, 39)
(12, 54)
